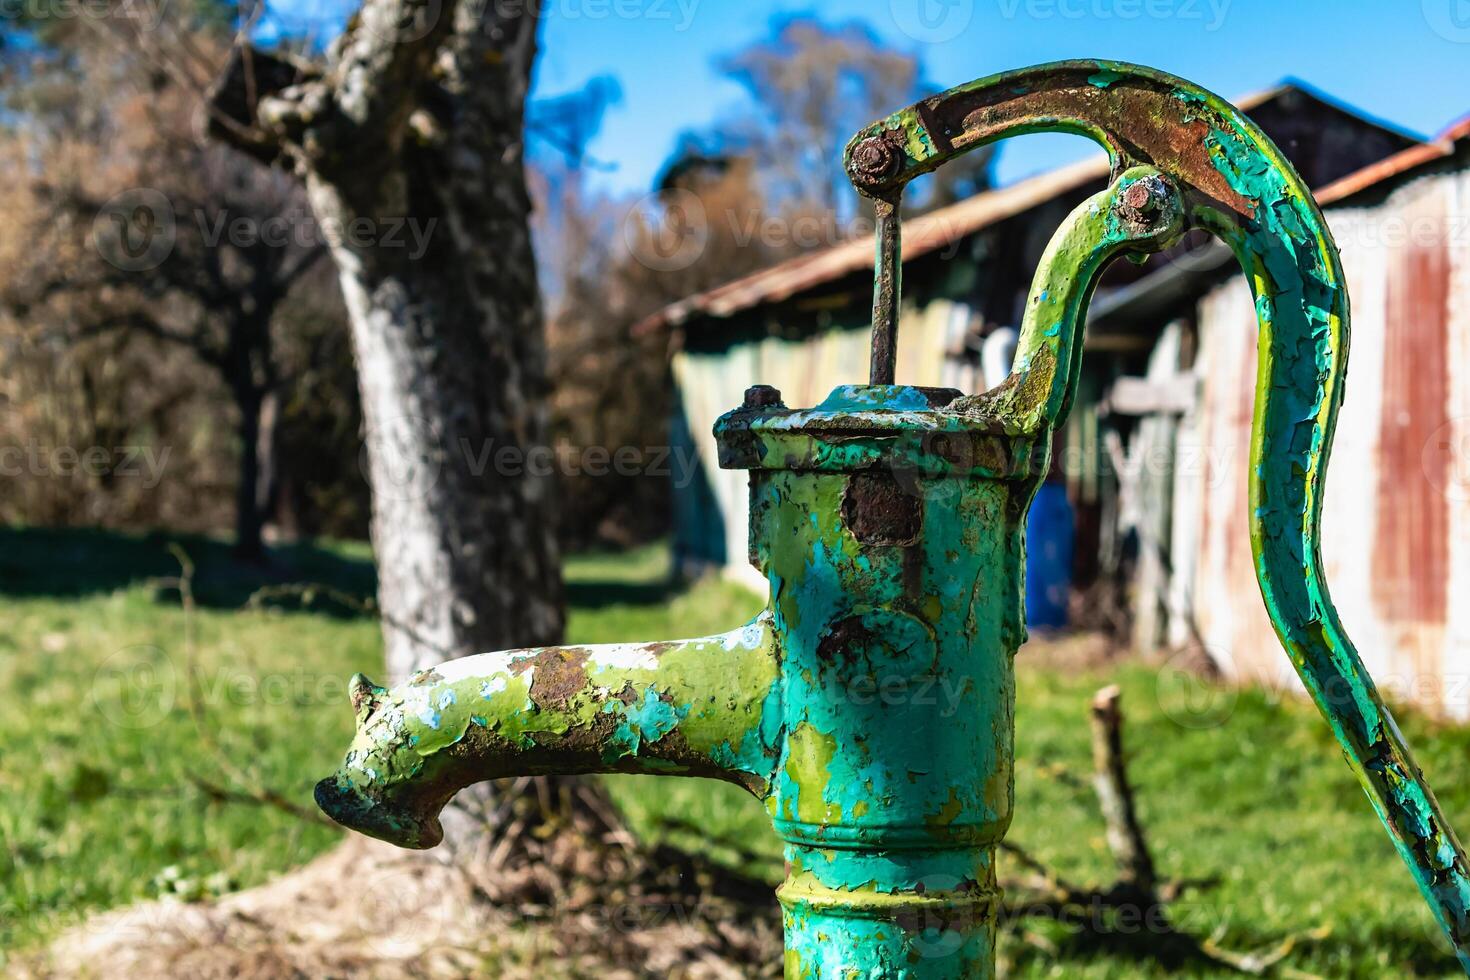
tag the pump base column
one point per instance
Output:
(916, 915)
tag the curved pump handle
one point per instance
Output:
(1201, 154)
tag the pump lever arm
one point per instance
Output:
(1234, 183)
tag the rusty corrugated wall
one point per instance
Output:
(1396, 528)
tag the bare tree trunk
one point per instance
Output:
(410, 145)
(450, 361)
(268, 458)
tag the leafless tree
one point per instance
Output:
(132, 227)
(409, 140)
(810, 85)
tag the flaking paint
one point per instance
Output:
(891, 809)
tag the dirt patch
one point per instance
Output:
(367, 909)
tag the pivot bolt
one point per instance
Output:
(1143, 199)
(874, 159)
(1139, 197)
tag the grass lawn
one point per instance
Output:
(110, 789)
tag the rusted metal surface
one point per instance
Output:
(889, 524)
(1412, 538)
(1135, 117)
(761, 396)
(885, 568)
(887, 286)
(649, 708)
(1398, 506)
(881, 511)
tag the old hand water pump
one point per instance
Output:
(889, 523)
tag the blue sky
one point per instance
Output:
(1405, 61)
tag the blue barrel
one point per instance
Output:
(1049, 531)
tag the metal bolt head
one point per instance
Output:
(1140, 197)
(874, 159)
(761, 396)
(1144, 202)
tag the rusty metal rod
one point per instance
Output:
(887, 289)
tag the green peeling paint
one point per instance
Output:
(698, 707)
(871, 706)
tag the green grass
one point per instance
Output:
(102, 767)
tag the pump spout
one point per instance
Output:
(701, 707)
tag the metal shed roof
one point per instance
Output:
(944, 226)
(1399, 165)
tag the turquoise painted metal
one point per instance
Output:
(870, 706)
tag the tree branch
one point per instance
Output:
(232, 103)
(383, 58)
(142, 323)
(269, 106)
(297, 264)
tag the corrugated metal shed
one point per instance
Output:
(1396, 525)
(802, 325)
(921, 236)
